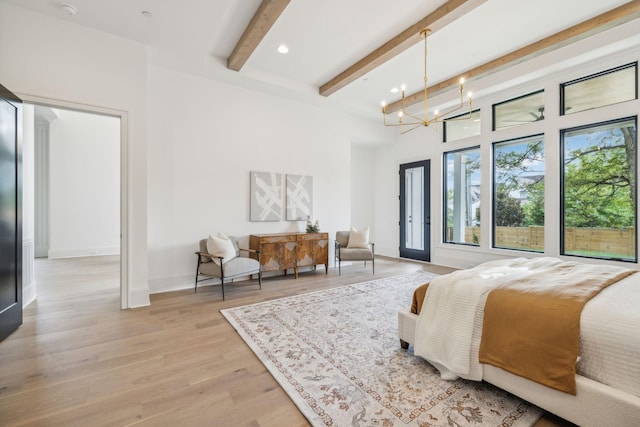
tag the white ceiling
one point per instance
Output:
(325, 37)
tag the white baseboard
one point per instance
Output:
(29, 294)
(83, 252)
(174, 283)
(29, 290)
(139, 297)
(187, 281)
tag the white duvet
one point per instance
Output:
(449, 326)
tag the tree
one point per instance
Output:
(534, 207)
(520, 167)
(599, 178)
(509, 212)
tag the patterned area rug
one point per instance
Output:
(337, 355)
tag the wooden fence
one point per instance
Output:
(619, 241)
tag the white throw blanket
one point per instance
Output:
(449, 326)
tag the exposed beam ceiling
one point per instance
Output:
(442, 16)
(266, 15)
(612, 18)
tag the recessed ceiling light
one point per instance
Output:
(69, 9)
(146, 14)
(394, 90)
(283, 49)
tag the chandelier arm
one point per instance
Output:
(409, 130)
(466, 116)
(413, 117)
(446, 113)
(404, 124)
(457, 108)
(405, 113)
(460, 104)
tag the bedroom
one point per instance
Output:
(169, 213)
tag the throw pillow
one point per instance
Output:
(358, 239)
(221, 247)
(233, 240)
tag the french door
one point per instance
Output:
(415, 211)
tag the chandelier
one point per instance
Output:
(408, 122)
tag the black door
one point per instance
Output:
(10, 213)
(415, 211)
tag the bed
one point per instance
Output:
(604, 388)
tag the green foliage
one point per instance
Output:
(520, 167)
(534, 208)
(509, 213)
(599, 182)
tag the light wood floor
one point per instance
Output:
(79, 360)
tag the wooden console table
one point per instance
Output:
(283, 251)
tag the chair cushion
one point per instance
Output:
(221, 246)
(239, 266)
(203, 249)
(358, 239)
(355, 254)
(342, 237)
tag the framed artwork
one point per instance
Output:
(299, 197)
(266, 196)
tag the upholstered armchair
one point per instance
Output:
(354, 246)
(219, 258)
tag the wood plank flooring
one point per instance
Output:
(78, 360)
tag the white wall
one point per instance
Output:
(56, 60)
(205, 139)
(84, 185)
(29, 292)
(363, 175)
(606, 50)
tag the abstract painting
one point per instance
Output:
(299, 197)
(266, 196)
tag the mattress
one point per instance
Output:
(610, 336)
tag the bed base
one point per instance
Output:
(595, 404)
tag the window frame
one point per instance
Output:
(595, 76)
(457, 118)
(497, 104)
(562, 250)
(445, 191)
(494, 188)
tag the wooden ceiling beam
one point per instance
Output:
(264, 18)
(442, 16)
(610, 19)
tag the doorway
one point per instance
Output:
(76, 218)
(415, 211)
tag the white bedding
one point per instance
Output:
(610, 336)
(449, 338)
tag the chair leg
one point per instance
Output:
(222, 285)
(195, 289)
(339, 263)
(260, 279)
(373, 265)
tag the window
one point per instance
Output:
(518, 194)
(597, 90)
(599, 190)
(462, 196)
(518, 111)
(460, 127)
